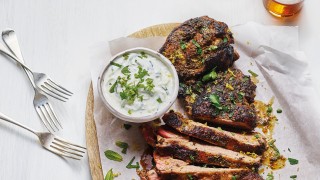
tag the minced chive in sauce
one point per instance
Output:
(138, 84)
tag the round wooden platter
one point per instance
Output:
(91, 133)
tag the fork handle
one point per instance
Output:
(8, 53)
(8, 119)
(10, 39)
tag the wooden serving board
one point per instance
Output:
(91, 133)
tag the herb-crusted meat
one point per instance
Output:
(253, 142)
(227, 99)
(198, 45)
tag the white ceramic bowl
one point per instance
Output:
(147, 118)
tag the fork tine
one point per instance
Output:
(67, 147)
(52, 95)
(57, 88)
(65, 142)
(42, 118)
(54, 92)
(62, 149)
(48, 110)
(61, 87)
(54, 114)
(58, 152)
(46, 118)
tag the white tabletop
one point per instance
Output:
(56, 37)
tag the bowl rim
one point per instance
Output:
(140, 119)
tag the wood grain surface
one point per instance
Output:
(91, 133)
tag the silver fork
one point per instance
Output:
(40, 102)
(41, 80)
(53, 143)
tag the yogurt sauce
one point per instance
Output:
(138, 84)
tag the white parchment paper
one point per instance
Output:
(270, 51)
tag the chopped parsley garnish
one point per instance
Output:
(109, 175)
(125, 70)
(212, 47)
(293, 161)
(116, 64)
(210, 76)
(113, 155)
(127, 126)
(269, 109)
(159, 100)
(183, 45)
(279, 111)
(125, 56)
(253, 73)
(199, 49)
(214, 98)
(256, 136)
(149, 87)
(289, 149)
(234, 178)
(270, 177)
(141, 73)
(293, 176)
(190, 177)
(142, 55)
(112, 89)
(225, 39)
(129, 111)
(130, 166)
(123, 145)
(191, 158)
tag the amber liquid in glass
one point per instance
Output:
(283, 8)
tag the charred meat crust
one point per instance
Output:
(198, 45)
(235, 92)
(253, 142)
(193, 152)
(170, 168)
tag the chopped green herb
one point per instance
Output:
(159, 100)
(289, 149)
(115, 64)
(253, 73)
(225, 39)
(293, 176)
(214, 98)
(142, 55)
(241, 95)
(210, 76)
(109, 175)
(130, 166)
(256, 136)
(199, 50)
(113, 155)
(123, 145)
(125, 56)
(212, 47)
(270, 176)
(112, 88)
(293, 161)
(279, 110)
(127, 126)
(234, 178)
(183, 45)
(219, 128)
(270, 109)
(129, 111)
(125, 70)
(141, 73)
(190, 177)
(191, 158)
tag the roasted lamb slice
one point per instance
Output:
(198, 45)
(194, 152)
(169, 168)
(225, 100)
(252, 142)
